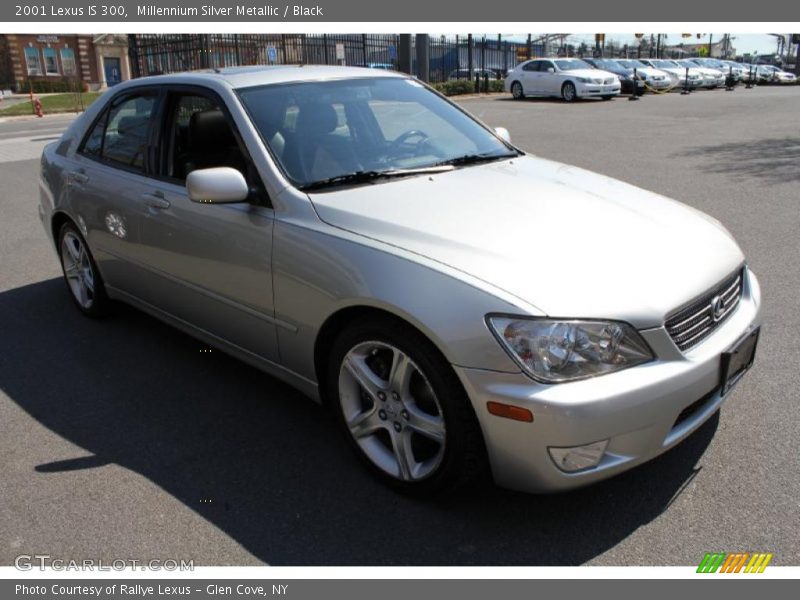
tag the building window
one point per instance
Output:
(68, 62)
(32, 62)
(50, 61)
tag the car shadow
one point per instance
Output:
(772, 159)
(202, 426)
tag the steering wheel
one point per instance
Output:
(396, 145)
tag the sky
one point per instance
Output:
(744, 43)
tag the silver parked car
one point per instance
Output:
(462, 306)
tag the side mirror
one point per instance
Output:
(218, 185)
(503, 134)
(551, 70)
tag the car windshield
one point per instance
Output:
(632, 64)
(351, 131)
(571, 64)
(666, 64)
(606, 64)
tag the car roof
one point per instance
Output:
(239, 77)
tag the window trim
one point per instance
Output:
(116, 100)
(40, 70)
(74, 72)
(57, 72)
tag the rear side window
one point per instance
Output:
(120, 136)
(531, 66)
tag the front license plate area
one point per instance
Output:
(737, 360)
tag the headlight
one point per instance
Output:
(623, 77)
(583, 79)
(554, 351)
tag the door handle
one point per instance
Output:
(155, 201)
(78, 177)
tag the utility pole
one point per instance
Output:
(710, 37)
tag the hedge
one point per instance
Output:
(466, 86)
(51, 86)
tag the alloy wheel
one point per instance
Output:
(392, 411)
(78, 270)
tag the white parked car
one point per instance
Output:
(568, 78)
(652, 77)
(712, 78)
(772, 74)
(678, 73)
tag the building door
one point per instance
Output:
(112, 69)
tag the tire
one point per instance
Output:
(418, 433)
(83, 280)
(516, 91)
(568, 92)
(607, 97)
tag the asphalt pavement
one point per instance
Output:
(120, 439)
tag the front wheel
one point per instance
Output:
(403, 409)
(516, 91)
(80, 272)
(568, 92)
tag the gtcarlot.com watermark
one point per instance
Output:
(42, 562)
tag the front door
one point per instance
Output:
(111, 66)
(210, 264)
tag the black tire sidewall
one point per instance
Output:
(464, 456)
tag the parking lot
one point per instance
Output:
(120, 439)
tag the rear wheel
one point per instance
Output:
(80, 272)
(516, 91)
(568, 92)
(403, 409)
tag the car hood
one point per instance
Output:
(571, 242)
(600, 73)
(650, 71)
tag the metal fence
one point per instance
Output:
(450, 57)
(153, 54)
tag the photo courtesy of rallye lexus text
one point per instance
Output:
(464, 308)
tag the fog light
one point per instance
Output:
(578, 458)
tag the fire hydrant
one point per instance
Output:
(37, 106)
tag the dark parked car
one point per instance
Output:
(624, 73)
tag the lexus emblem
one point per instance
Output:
(717, 308)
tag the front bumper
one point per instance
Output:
(637, 410)
(597, 89)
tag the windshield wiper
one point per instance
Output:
(471, 159)
(367, 176)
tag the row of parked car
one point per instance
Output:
(573, 78)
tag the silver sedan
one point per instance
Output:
(463, 307)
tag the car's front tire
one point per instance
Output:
(516, 91)
(568, 92)
(403, 409)
(80, 272)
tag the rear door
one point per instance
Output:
(107, 176)
(210, 264)
(550, 83)
(530, 77)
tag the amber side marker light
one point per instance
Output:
(507, 411)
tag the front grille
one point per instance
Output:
(690, 325)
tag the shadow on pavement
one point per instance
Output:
(137, 393)
(773, 159)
